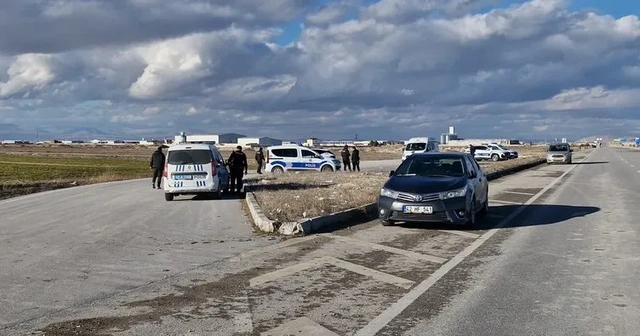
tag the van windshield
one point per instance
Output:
(416, 146)
(189, 156)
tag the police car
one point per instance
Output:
(298, 158)
(493, 152)
(194, 168)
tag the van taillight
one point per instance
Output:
(165, 173)
(214, 169)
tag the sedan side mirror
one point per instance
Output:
(571, 150)
(473, 174)
(391, 173)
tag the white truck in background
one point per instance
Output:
(420, 145)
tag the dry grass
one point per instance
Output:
(295, 196)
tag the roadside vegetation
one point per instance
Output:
(294, 196)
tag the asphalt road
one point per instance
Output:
(578, 276)
(558, 254)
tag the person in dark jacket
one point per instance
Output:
(237, 165)
(157, 166)
(472, 150)
(260, 160)
(346, 158)
(355, 158)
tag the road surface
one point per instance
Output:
(558, 254)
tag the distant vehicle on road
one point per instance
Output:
(420, 145)
(435, 187)
(298, 158)
(194, 169)
(324, 152)
(559, 152)
(493, 152)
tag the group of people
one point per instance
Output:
(238, 165)
(350, 160)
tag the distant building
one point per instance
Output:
(467, 142)
(259, 141)
(312, 142)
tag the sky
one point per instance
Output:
(331, 69)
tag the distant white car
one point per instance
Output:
(493, 152)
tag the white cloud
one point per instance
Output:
(398, 67)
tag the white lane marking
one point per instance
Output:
(519, 193)
(380, 276)
(243, 321)
(285, 243)
(375, 325)
(503, 202)
(390, 249)
(300, 326)
(462, 233)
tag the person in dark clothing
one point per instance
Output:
(472, 150)
(157, 166)
(355, 159)
(260, 160)
(346, 161)
(237, 165)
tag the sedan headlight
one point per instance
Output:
(454, 193)
(388, 193)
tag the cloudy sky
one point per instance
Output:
(291, 69)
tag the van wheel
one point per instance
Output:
(326, 168)
(277, 170)
(168, 197)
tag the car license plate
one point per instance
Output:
(417, 209)
(183, 177)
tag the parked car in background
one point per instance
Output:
(435, 187)
(298, 158)
(559, 152)
(493, 152)
(324, 152)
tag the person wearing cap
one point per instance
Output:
(157, 166)
(237, 166)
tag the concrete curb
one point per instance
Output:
(317, 224)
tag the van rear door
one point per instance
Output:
(189, 164)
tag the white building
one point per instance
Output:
(312, 142)
(259, 141)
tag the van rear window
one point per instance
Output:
(418, 146)
(189, 156)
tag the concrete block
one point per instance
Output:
(259, 218)
(327, 222)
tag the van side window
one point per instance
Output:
(308, 154)
(285, 152)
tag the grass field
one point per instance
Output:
(292, 197)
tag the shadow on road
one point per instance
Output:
(533, 215)
(590, 163)
(287, 186)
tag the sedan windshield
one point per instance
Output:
(430, 166)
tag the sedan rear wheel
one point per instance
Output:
(386, 222)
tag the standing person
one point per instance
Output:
(157, 165)
(355, 158)
(237, 165)
(260, 160)
(346, 158)
(472, 150)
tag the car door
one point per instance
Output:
(481, 152)
(482, 181)
(310, 159)
(474, 182)
(221, 168)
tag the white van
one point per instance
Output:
(195, 168)
(298, 158)
(420, 145)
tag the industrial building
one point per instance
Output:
(447, 137)
(218, 139)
